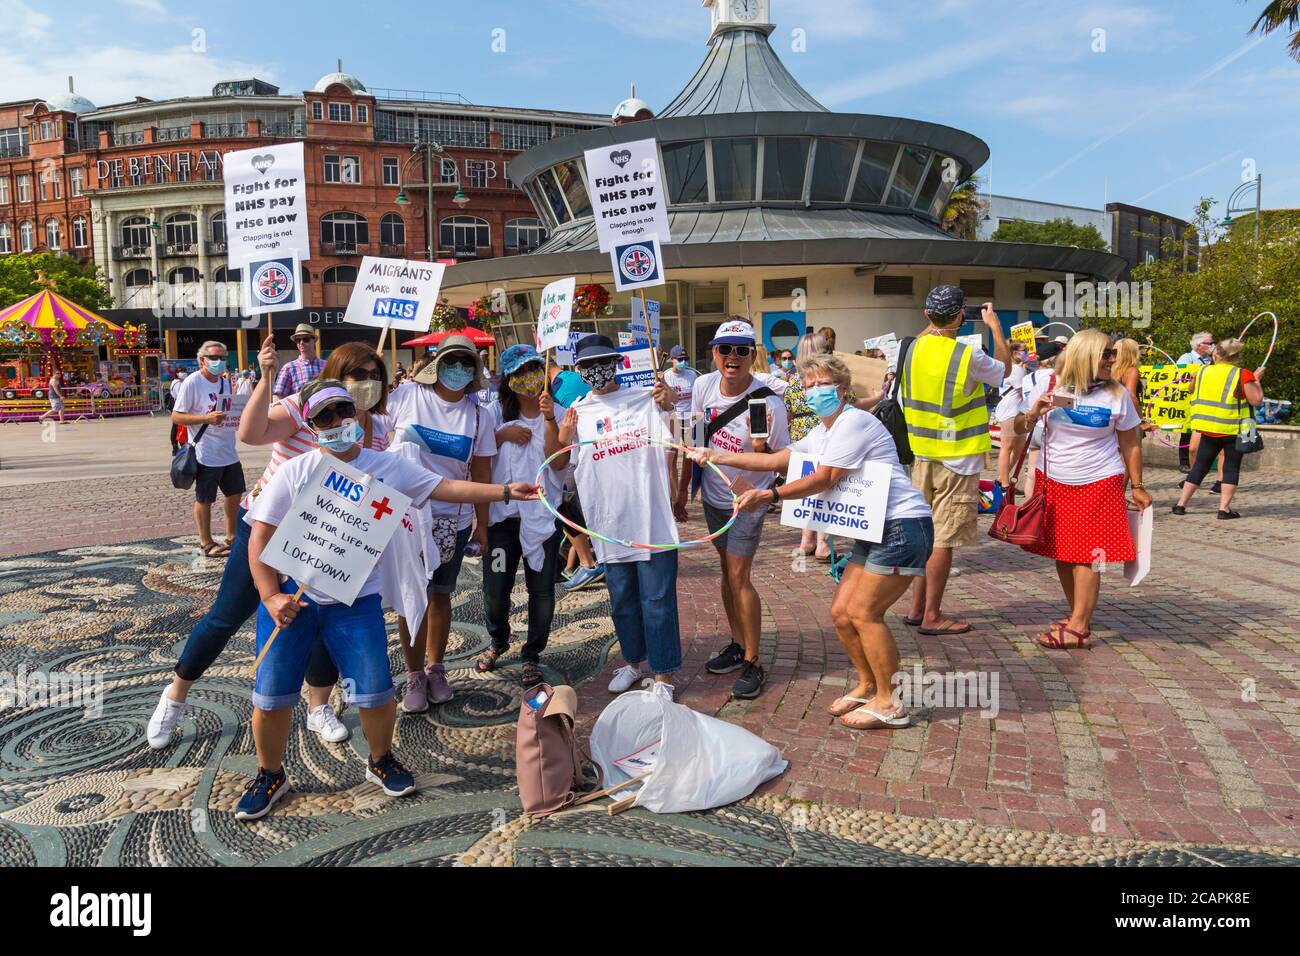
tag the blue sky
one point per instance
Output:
(1179, 99)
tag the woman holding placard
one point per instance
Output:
(878, 574)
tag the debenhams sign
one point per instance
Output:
(156, 168)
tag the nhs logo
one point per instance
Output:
(343, 486)
(809, 467)
(395, 308)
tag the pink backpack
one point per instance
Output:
(548, 764)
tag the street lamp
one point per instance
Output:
(1257, 184)
(429, 150)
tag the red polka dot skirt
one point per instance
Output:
(1085, 523)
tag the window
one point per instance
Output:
(465, 233)
(342, 169)
(1035, 290)
(351, 169)
(476, 173)
(75, 181)
(554, 197)
(183, 276)
(926, 198)
(873, 172)
(340, 274)
(832, 169)
(522, 134)
(24, 187)
(183, 168)
(524, 235)
(340, 112)
(363, 113)
(332, 169)
(41, 180)
(217, 227)
(575, 190)
(56, 182)
(454, 131)
(80, 235)
(137, 277)
(26, 236)
(5, 239)
(392, 230)
(345, 230)
(47, 130)
(893, 285)
(908, 177)
(316, 110)
(783, 288)
(785, 160)
(735, 163)
(4, 190)
(977, 288)
(135, 233)
(226, 274)
(391, 175)
(181, 231)
(448, 172)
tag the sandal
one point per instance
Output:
(941, 630)
(843, 705)
(532, 674)
(864, 718)
(1056, 638)
(214, 550)
(912, 621)
(487, 660)
(1227, 515)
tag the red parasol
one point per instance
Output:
(477, 336)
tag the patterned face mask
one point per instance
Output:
(598, 375)
(528, 383)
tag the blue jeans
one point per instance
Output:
(235, 603)
(355, 637)
(643, 599)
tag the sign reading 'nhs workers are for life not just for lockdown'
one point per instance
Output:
(395, 293)
(853, 508)
(266, 204)
(339, 524)
(556, 314)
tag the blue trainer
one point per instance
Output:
(261, 794)
(396, 780)
(584, 577)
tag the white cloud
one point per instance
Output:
(831, 20)
(24, 24)
(148, 6)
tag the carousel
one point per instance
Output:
(107, 369)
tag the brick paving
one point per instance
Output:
(1180, 725)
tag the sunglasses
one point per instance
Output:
(1108, 355)
(334, 414)
(740, 351)
(361, 374)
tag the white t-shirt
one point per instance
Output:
(198, 396)
(276, 497)
(734, 437)
(983, 368)
(683, 383)
(855, 438)
(460, 429)
(1191, 358)
(623, 484)
(521, 463)
(175, 387)
(1081, 446)
(775, 382)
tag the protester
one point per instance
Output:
(296, 374)
(354, 634)
(722, 398)
(681, 379)
(245, 384)
(1007, 410)
(527, 434)
(55, 387)
(625, 494)
(460, 443)
(178, 433)
(1128, 357)
(828, 336)
(942, 394)
(205, 399)
(802, 420)
(877, 575)
(1223, 396)
(1042, 372)
(1202, 353)
(581, 570)
(784, 367)
(1091, 440)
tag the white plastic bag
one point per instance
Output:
(700, 761)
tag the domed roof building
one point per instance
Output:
(346, 79)
(70, 102)
(779, 209)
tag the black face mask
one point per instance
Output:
(598, 375)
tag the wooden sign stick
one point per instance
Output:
(274, 634)
(649, 335)
(587, 798)
(384, 335)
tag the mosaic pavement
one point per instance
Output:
(78, 790)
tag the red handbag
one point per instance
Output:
(1023, 524)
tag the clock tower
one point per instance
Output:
(740, 15)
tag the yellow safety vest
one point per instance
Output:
(1214, 406)
(946, 412)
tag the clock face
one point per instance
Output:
(746, 10)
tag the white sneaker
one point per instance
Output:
(624, 678)
(163, 722)
(323, 721)
(659, 688)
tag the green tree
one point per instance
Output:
(83, 284)
(1054, 232)
(1281, 15)
(962, 212)
(1237, 280)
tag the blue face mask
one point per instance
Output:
(824, 400)
(216, 366)
(455, 377)
(340, 438)
(679, 363)
(787, 364)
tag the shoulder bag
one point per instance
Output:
(185, 463)
(890, 411)
(1023, 524)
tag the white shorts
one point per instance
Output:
(1008, 408)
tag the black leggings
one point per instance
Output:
(1210, 446)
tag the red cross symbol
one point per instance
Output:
(381, 508)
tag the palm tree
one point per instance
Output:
(964, 209)
(1279, 15)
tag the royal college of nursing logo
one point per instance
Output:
(273, 282)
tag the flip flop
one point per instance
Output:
(912, 621)
(940, 631)
(874, 720)
(214, 550)
(843, 705)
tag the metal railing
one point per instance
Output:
(215, 247)
(129, 139)
(393, 249)
(131, 252)
(167, 134)
(224, 130)
(179, 249)
(344, 248)
(284, 129)
(419, 96)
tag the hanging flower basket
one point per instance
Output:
(483, 315)
(591, 300)
(445, 318)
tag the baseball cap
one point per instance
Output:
(945, 301)
(516, 357)
(677, 352)
(458, 345)
(1048, 350)
(733, 332)
(592, 347)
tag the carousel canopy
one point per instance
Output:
(53, 319)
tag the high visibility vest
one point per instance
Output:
(946, 412)
(1214, 406)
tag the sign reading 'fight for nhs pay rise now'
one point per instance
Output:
(266, 204)
(626, 191)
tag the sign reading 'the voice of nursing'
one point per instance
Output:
(854, 508)
(627, 195)
(340, 522)
(266, 204)
(397, 293)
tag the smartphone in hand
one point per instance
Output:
(758, 418)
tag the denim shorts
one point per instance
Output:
(444, 579)
(742, 537)
(355, 637)
(903, 549)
